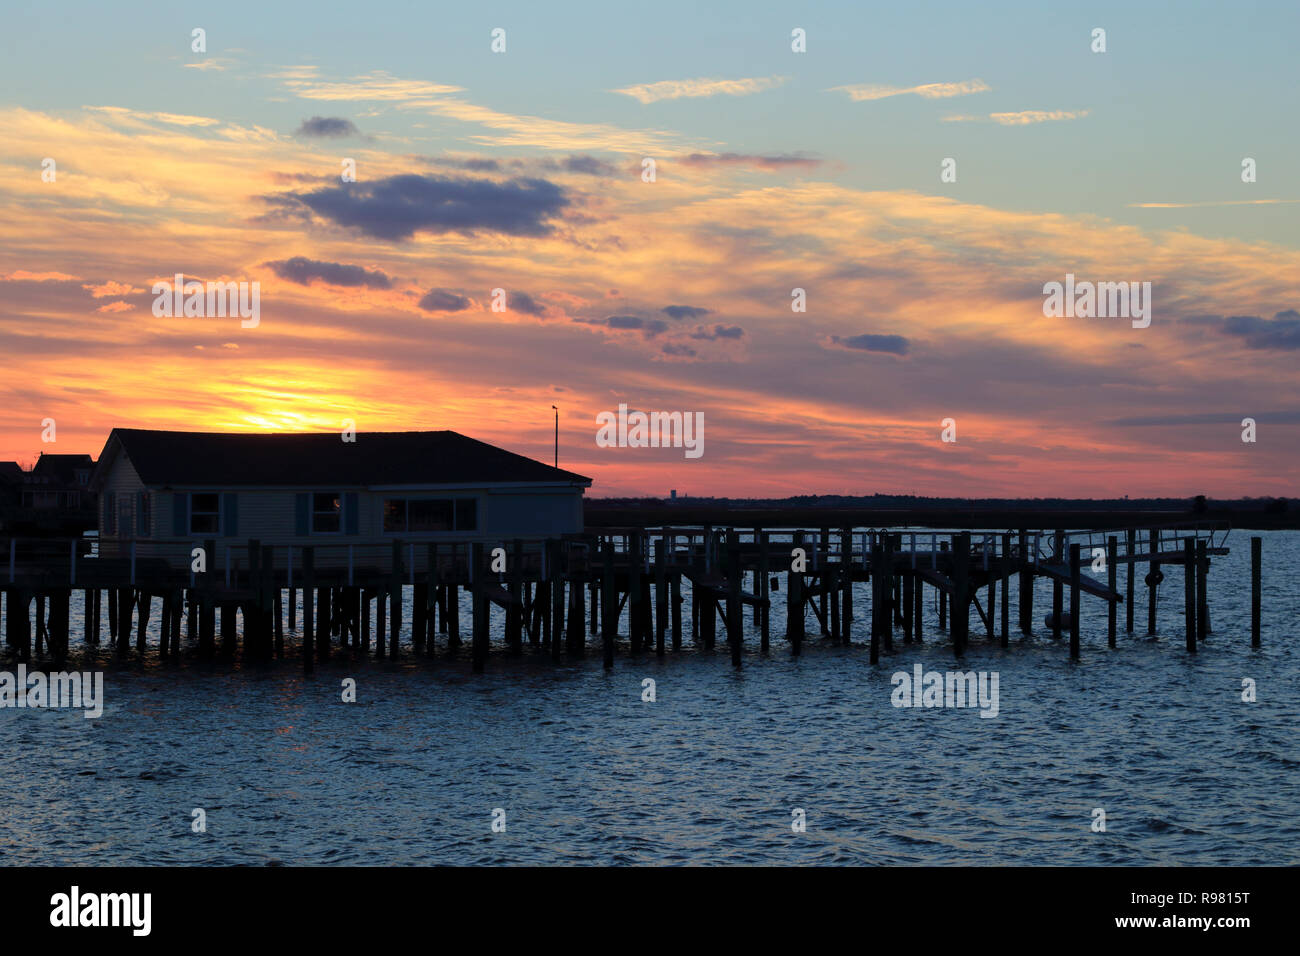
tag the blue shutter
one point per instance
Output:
(302, 514)
(230, 514)
(180, 514)
(351, 517)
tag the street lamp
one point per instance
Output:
(557, 437)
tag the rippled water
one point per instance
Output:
(709, 773)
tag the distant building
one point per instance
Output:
(672, 495)
(58, 483)
(177, 488)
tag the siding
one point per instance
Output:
(269, 515)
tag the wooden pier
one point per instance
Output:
(551, 593)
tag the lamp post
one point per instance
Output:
(557, 437)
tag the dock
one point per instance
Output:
(227, 599)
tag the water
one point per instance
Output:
(586, 772)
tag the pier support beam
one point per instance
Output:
(1256, 555)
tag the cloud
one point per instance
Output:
(772, 162)
(1023, 118)
(507, 129)
(685, 311)
(576, 163)
(649, 328)
(173, 119)
(118, 306)
(111, 288)
(1220, 202)
(682, 89)
(443, 300)
(684, 351)
(304, 271)
(22, 275)
(1282, 332)
(398, 207)
(525, 303)
(587, 164)
(891, 344)
(327, 127)
(718, 332)
(305, 82)
(930, 91)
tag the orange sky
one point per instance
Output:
(1044, 406)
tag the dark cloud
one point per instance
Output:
(576, 163)
(304, 271)
(397, 207)
(1282, 332)
(525, 303)
(892, 344)
(587, 164)
(442, 300)
(629, 323)
(718, 332)
(327, 127)
(1286, 417)
(769, 163)
(685, 312)
(684, 351)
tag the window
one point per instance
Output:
(425, 515)
(466, 514)
(205, 513)
(429, 514)
(326, 508)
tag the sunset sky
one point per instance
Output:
(775, 170)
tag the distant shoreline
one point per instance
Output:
(982, 515)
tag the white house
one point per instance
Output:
(162, 491)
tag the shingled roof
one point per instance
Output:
(318, 460)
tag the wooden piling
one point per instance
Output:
(308, 630)
(661, 595)
(1130, 542)
(1075, 572)
(1026, 588)
(961, 591)
(735, 616)
(480, 605)
(395, 593)
(1202, 600)
(1189, 592)
(1153, 580)
(1256, 563)
(794, 603)
(609, 610)
(1058, 587)
(1112, 572)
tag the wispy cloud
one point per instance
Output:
(1218, 202)
(771, 162)
(930, 91)
(683, 89)
(1022, 118)
(174, 119)
(305, 83)
(438, 99)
